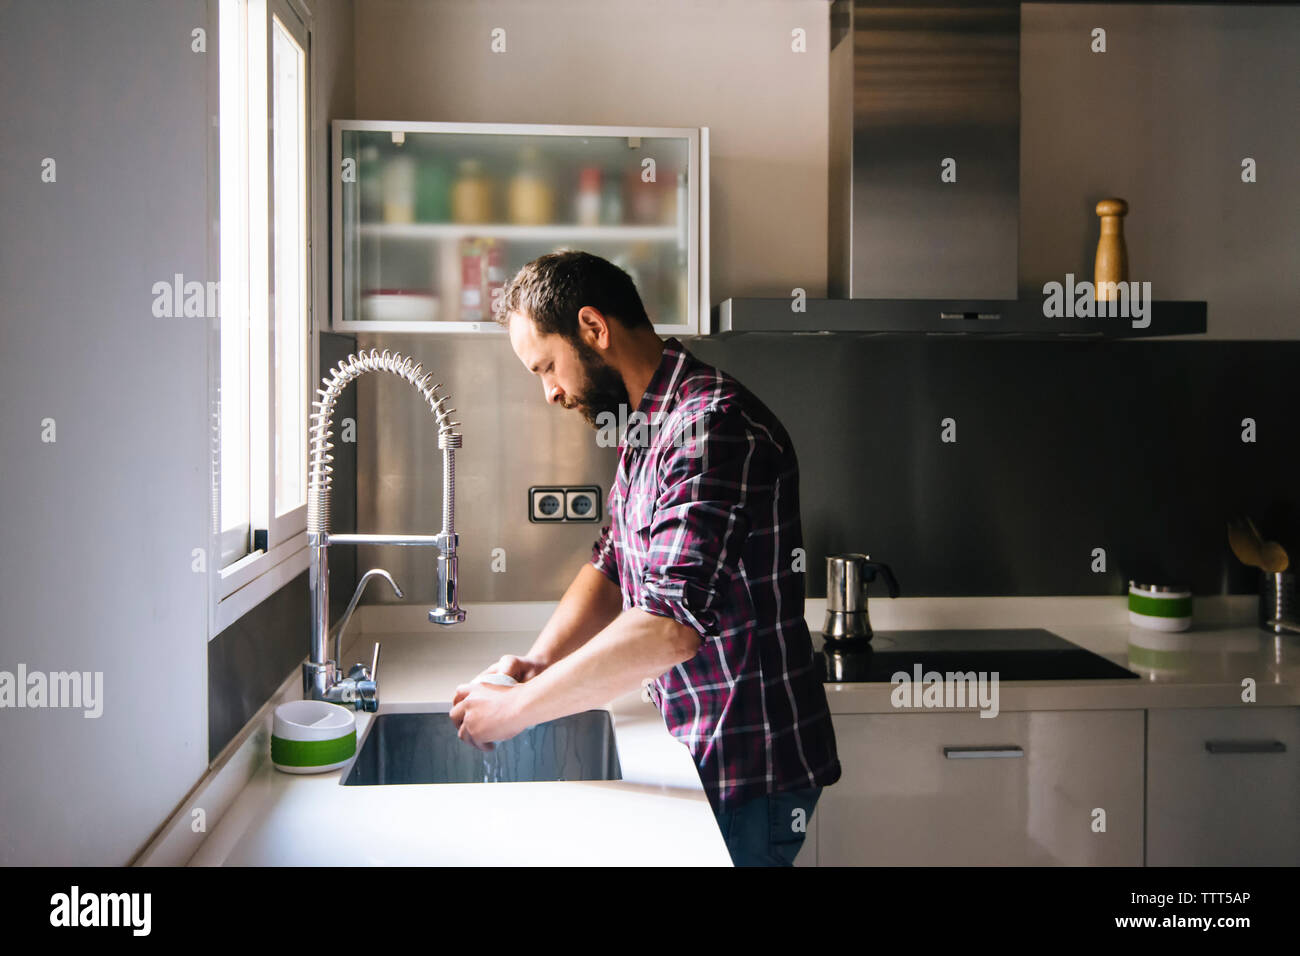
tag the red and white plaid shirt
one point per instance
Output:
(704, 527)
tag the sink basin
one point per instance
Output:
(423, 748)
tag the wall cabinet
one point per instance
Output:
(1223, 787)
(957, 789)
(430, 220)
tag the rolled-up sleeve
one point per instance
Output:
(603, 555)
(702, 518)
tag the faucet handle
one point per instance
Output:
(365, 689)
(359, 671)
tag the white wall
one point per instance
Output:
(96, 568)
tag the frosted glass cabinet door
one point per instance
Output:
(432, 219)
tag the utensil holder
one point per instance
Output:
(1277, 600)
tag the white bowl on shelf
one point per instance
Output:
(392, 305)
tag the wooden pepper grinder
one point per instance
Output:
(1112, 256)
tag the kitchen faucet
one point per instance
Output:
(320, 674)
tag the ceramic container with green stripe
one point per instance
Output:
(1159, 607)
(312, 736)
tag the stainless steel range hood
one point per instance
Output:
(924, 214)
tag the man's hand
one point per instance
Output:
(484, 713)
(520, 668)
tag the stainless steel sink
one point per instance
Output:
(424, 748)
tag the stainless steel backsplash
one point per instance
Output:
(513, 440)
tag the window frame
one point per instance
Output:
(281, 553)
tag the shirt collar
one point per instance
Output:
(659, 393)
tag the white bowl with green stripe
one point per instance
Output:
(312, 736)
(1159, 607)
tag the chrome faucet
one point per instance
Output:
(320, 675)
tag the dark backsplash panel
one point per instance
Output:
(1062, 446)
(251, 658)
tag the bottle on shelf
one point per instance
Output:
(494, 275)
(399, 189)
(588, 200)
(471, 280)
(433, 191)
(482, 277)
(611, 202)
(370, 182)
(642, 198)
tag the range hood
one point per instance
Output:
(920, 89)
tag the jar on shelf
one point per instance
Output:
(531, 196)
(471, 195)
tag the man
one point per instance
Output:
(691, 589)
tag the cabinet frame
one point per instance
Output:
(698, 321)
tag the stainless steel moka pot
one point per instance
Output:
(847, 578)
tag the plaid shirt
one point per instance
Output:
(704, 520)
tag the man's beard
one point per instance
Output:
(603, 390)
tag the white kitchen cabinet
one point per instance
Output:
(1223, 787)
(935, 789)
(430, 220)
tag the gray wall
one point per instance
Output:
(1159, 120)
(1164, 119)
(96, 573)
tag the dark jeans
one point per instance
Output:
(768, 830)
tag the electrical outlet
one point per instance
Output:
(546, 504)
(550, 503)
(582, 504)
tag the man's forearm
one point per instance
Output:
(591, 602)
(636, 646)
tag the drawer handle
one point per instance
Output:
(1245, 746)
(982, 753)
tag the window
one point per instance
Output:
(265, 327)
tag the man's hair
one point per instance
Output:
(552, 288)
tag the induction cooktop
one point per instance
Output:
(1019, 653)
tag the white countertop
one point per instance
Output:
(658, 812)
(1202, 667)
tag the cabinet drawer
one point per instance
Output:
(959, 789)
(1223, 787)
